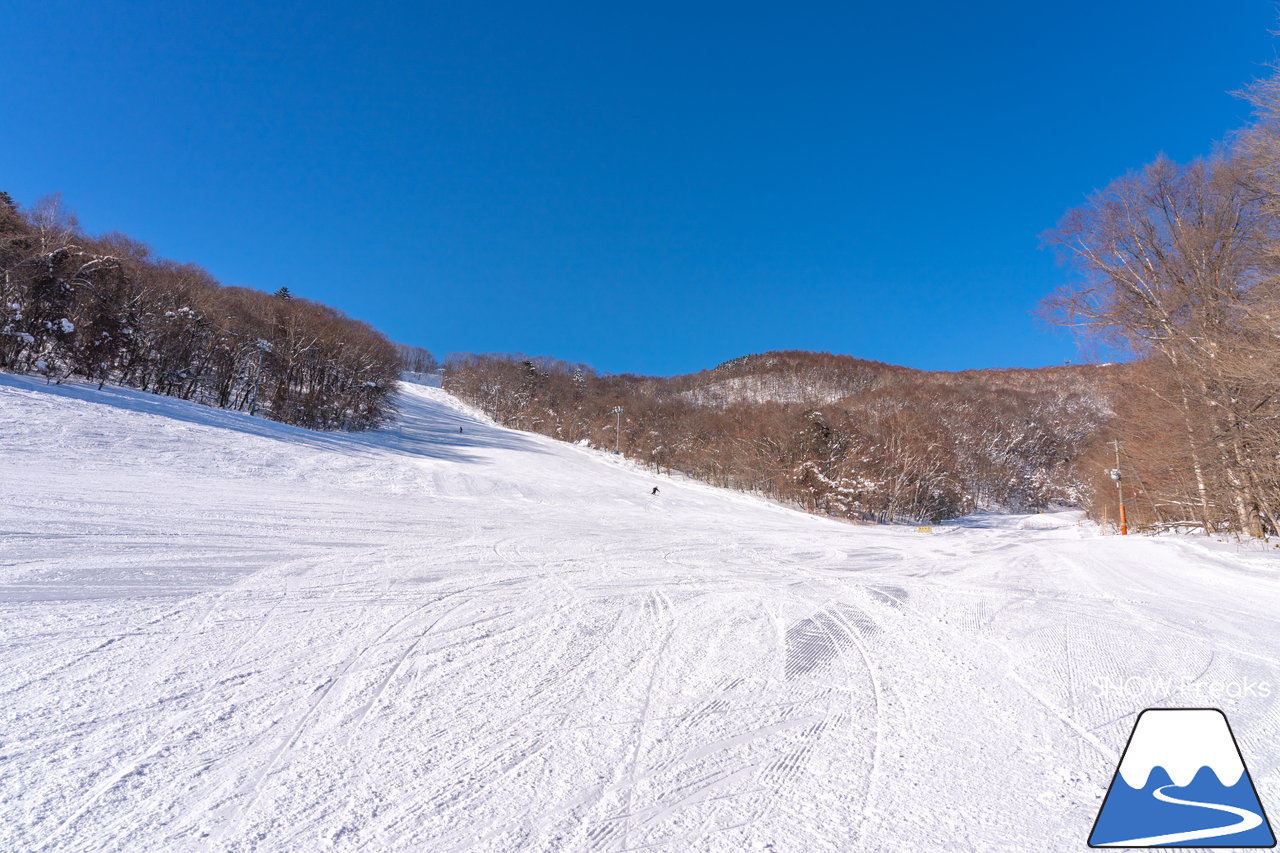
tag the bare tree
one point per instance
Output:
(1168, 263)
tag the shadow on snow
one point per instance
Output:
(418, 428)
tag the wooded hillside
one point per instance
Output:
(833, 434)
(105, 309)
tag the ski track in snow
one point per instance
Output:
(226, 634)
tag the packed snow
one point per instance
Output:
(221, 633)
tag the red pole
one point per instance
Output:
(1124, 522)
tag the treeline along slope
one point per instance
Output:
(105, 309)
(833, 434)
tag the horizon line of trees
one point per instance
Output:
(105, 309)
(1178, 267)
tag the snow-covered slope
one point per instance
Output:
(221, 633)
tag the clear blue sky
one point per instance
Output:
(651, 187)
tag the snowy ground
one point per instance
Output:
(221, 633)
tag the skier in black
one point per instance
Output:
(655, 490)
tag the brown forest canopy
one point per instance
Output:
(833, 434)
(105, 309)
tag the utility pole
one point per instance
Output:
(1115, 475)
(617, 432)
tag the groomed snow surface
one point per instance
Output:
(221, 633)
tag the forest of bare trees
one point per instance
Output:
(104, 309)
(832, 434)
(416, 360)
(1176, 267)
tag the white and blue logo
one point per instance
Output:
(1181, 783)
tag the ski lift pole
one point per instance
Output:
(617, 432)
(1115, 475)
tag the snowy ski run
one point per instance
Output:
(225, 634)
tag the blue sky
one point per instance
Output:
(650, 188)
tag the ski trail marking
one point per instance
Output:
(99, 790)
(877, 746)
(132, 765)
(321, 694)
(656, 598)
(396, 669)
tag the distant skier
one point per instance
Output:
(459, 429)
(655, 490)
